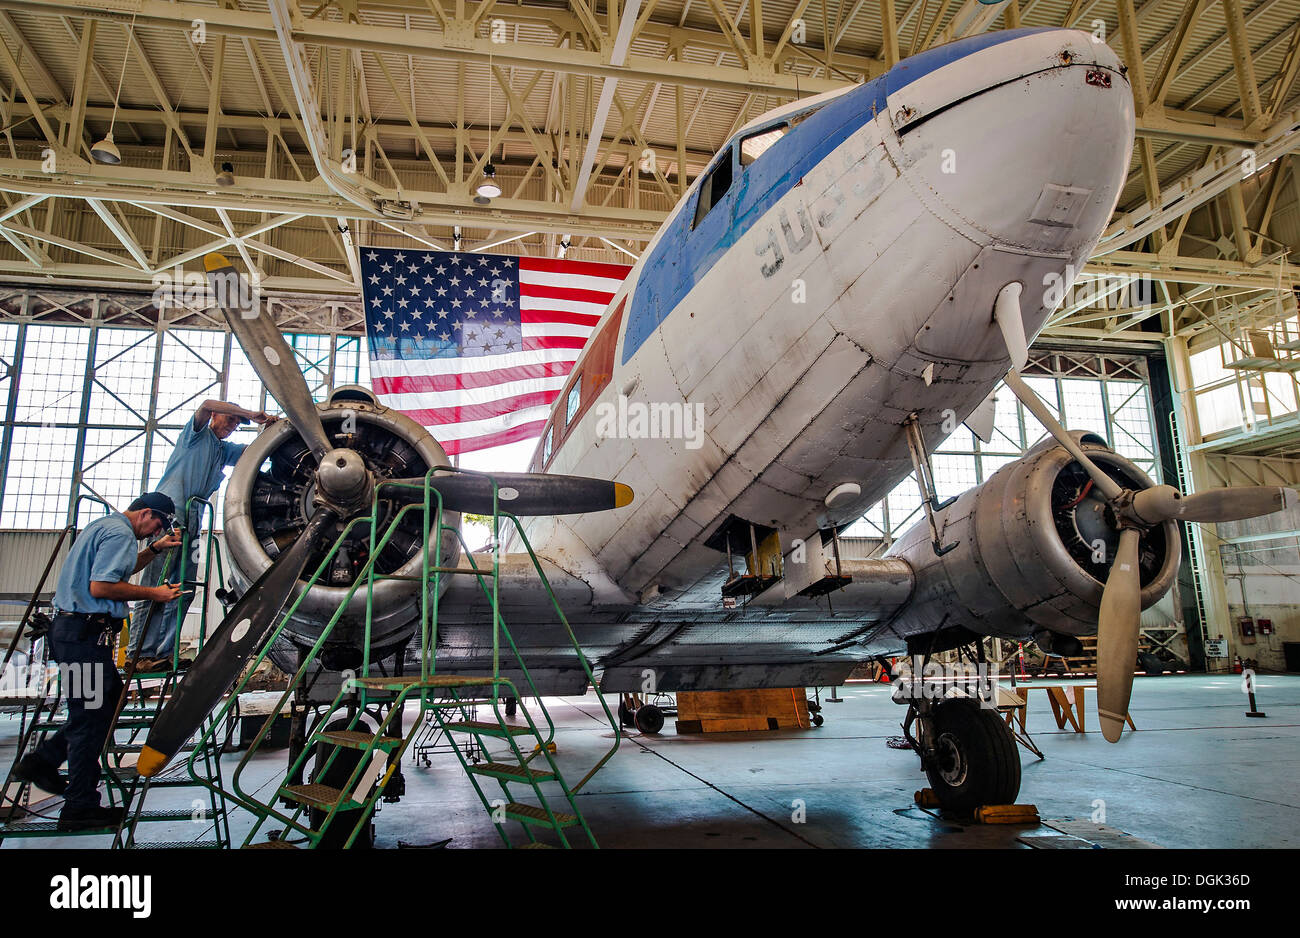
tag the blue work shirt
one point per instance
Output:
(196, 466)
(105, 552)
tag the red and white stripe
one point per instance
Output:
(471, 404)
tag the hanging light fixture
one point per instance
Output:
(226, 178)
(106, 151)
(487, 187)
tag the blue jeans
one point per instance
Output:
(153, 626)
(92, 687)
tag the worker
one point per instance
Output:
(90, 604)
(195, 470)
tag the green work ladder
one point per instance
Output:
(375, 753)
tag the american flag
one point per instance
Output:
(477, 346)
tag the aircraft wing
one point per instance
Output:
(688, 639)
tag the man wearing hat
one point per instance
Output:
(90, 603)
(196, 469)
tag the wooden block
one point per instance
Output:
(1007, 814)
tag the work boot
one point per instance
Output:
(32, 768)
(91, 818)
(153, 665)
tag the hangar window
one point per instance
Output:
(571, 402)
(714, 187)
(756, 144)
(546, 447)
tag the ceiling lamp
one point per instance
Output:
(488, 188)
(226, 178)
(105, 151)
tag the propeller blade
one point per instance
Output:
(1237, 503)
(1117, 636)
(521, 493)
(222, 658)
(1109, 488)
(269, 355)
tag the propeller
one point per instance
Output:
(223, 655)
(520, 493)
(1118, 625)
(1164, 502)
(269, 354)
(1119, 618)
(344, 486)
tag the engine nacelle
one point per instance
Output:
(270, 498)
(1033, 547)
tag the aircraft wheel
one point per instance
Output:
(1152, 665)
(974, 759)
(625, 715)
(649, 719)
(818, 719)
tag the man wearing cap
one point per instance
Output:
(196, 469)
(90, 603)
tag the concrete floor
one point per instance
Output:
(1197, 774)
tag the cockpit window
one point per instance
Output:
(756, 144)
(714, 187)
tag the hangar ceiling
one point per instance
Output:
(354, 121)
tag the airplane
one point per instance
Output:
(852, 275)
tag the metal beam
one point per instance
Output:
(616, 57)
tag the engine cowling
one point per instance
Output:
(270, 497)
(1033, 547)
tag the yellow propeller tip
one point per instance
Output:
(623, 495)
(214, 261)
(151, 762)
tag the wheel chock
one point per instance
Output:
(550, 747)
(1007, 814)
(926, 798)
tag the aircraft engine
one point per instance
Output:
(270, 498)
(1031, 549)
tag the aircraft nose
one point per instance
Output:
(1025, 142)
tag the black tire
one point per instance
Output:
(818, 719)
(1152, 665)
(649, 719)
(975, 761)
(625, 715)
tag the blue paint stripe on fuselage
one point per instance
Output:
(682, 256)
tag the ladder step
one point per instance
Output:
(176, 845)
(175, 814)
(176, 777)
(479, 728)
(50, 829)
(531, 814)
(123, 748)
(511, 773)
(318, 796)
(272, 845)
(356, 739)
